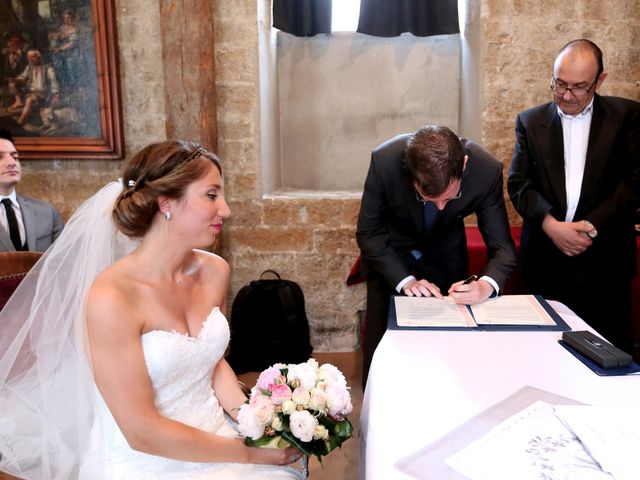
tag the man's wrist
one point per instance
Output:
(403, 282)
(493, 284)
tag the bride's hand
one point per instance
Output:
(274, 456)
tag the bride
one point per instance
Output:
(113, 365)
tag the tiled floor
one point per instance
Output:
(341, 464)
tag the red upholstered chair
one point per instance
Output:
(13, 268)
(478, 258)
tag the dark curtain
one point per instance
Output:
(422, 18)
(302, 18)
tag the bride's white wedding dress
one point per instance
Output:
(180, 368)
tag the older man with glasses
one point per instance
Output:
(419, 189)
(575, 180)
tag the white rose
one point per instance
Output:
(338, 401)
(276, 423)
(318, 400)
(288, 407)
(302, 425)
(331, 375)
(247, 423)
(301, 396)
(305, 373)
(262, 409)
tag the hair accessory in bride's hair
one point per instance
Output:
(135, 185)
(195, 154)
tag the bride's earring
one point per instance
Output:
(167, 215)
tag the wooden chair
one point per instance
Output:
(13, 268)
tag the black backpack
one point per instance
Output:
(268, 325)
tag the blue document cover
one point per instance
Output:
(559, 324)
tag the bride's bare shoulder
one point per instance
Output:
(213, 264)
(113, 294)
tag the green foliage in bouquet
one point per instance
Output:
(338, 432)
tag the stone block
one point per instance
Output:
(239, 64)
(266, 239)
(240, 185)
(245, 10)
(245, 212)
(281, 212)
(325, 211)
(234, 128)
(335, 240)
(234, 153)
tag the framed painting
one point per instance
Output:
(59, 91)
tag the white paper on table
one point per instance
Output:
(511, 310)
(431, 312)
(611, 434)
(532, 444)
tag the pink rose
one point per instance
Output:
(267, 379)
(279, 393)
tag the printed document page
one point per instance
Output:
(610, 433)
(431, 312)
(511, 310)
(532, 444)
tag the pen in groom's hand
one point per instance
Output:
(472, 278)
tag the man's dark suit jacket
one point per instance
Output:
(390, 224)
(608, 199)
(42, 224)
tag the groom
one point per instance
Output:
(25, 223)
(411, 232)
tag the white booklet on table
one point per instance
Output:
(512, 312)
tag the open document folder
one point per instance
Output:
(508, 312)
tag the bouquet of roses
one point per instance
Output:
(303, 405)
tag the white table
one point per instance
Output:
(423, 384)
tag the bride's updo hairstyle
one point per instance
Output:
(160, 169)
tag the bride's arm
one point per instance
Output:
(225, 385)
(114, 328)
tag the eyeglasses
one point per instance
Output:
(577, 92)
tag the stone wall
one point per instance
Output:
(520, 39)
(310, 238)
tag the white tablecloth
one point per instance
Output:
(422, 384)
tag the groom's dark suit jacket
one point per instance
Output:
(390, 227)
(390, 224)
(609, 196)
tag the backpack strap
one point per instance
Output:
(270, 271)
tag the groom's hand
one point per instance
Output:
(470, 293)
(421, 288)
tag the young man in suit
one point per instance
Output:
(418, 191)
(575, 179)
(25, 223)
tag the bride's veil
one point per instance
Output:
(47, 394)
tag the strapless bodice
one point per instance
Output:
(180, 368)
